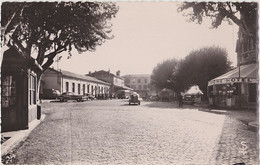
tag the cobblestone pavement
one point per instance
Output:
(113, 132)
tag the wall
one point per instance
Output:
(133, 82)
(118, 81)
(94, 88)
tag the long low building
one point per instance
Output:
(65, 81)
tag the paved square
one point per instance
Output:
(113, 132)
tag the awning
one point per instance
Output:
(244, 73)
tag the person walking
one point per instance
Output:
(180, 100)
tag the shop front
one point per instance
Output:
(235, 89)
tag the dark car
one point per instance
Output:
(89, 96)
(135, 99)
(71, 96)
(188, 99)
(50, 94)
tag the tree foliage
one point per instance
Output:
(243, 14)
(161, 75)
(200, 66)
(53, 27)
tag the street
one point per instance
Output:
(113, 132)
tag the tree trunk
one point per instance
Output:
(39, 77)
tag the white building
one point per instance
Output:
(65, 81)
(139, 83)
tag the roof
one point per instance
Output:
(137, 75)
(104, 72)
(82, 77)
(244, 73)
(194, 90)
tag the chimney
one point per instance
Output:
(118, 73)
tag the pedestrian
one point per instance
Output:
(180, 100)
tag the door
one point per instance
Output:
(252, 93)
(14, 107)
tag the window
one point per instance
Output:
(84, 89)
(32, 89)
(73, 87)
(127, 81)
(145, 86)
(92, 89)
(88, 89)
(78, 88)
(8, 91)
(139, 80)
(140, 86)
(145, 80)
(133, 86)
(67, 86)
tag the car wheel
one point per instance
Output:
(78, 100)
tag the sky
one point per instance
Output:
(147, 33)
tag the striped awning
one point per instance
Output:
(244, 73)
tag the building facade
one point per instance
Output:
(18, 91)
(117, 82)
(65, 81)
(139, 83)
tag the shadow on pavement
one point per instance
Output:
(237, 143)
(167, 105)
(130, 105)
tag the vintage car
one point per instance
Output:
(50, 94)
(135, 99)
(71, 96)
(89, 96)
(188, 99)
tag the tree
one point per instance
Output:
(53, 27)
(224, 11)
(200, 66)
(161, 75)
(243, 14)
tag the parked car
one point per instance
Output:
(89, 96)
(50, 94)
(188, 99)
(154, 98)
(135, 98)
(71, 96)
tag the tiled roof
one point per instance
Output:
(136, 75)
(104, 73)
(82, 77)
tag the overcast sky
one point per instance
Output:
(147, 33)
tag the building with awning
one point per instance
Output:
(236, 88)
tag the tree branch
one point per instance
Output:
(7, 35)
(51, 57)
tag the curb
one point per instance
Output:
(253, 124)
(16, 137)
